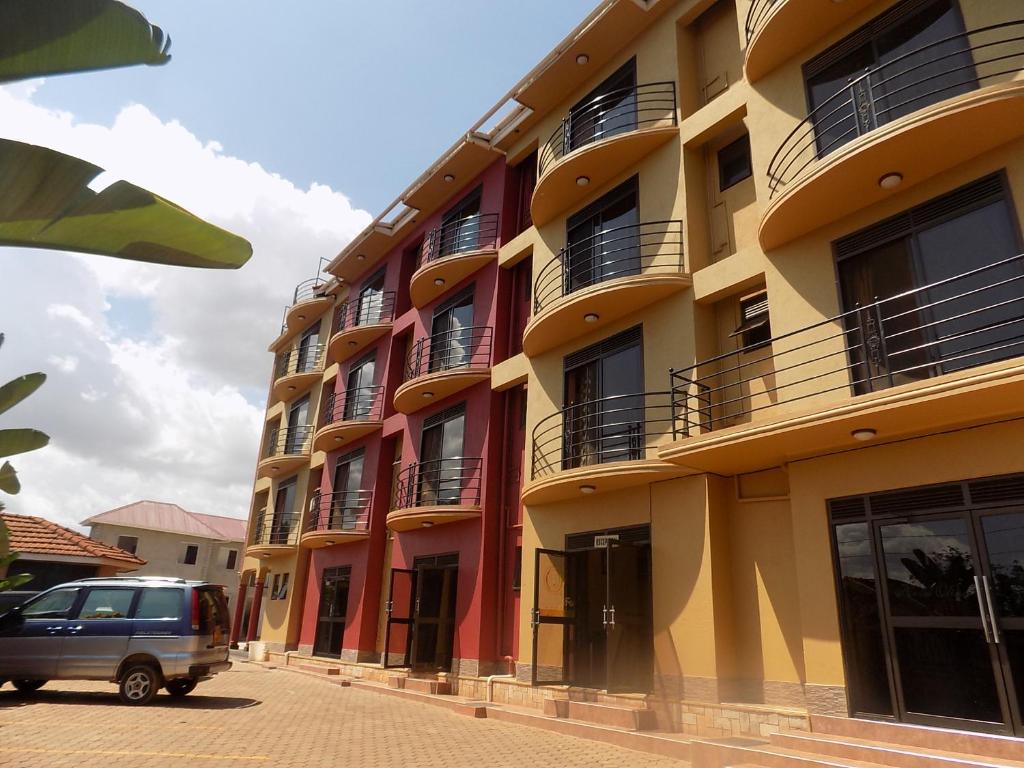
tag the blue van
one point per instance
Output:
(143, 633)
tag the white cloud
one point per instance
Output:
(158, 411)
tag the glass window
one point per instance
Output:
(159, 604)
(191, 554)
(282, 590)
(734, 163)
(232, 559)
(107, 604)
(128, 543)
(52, 605)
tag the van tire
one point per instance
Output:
(28, 686)
(138, 685)
(182, 686)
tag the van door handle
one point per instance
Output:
(54, 630)
(74, 630)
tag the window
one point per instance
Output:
(451, 333)
(159, 604)
(279, 589)
(460, 226)
(608, 110)
(754, 328)
(275, 584)
(442, 472)
(107, 604)
(298, 426)
(603, 240)
(128, 543)
(52, 605)
(232, 560)
(284, 519)
(360, 395)
(734, 163)
(517, 573)
(191, 554)
(524, 179)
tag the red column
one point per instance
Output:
(254, 614)
(236, 623)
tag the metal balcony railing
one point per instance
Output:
(300, 359)
(356, 404)
(757, 14)
(648, 247)
(468, 347)
(309, 289)
(365, 310)
(343, 511)
(478, 232)
(949, 325)
(932, 73)
(275, 529)
(615, 428)
(454, 481)
(288, 441)
(613, 113)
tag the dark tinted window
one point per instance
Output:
(213, 612)
(52, 605)
(128, 543)
(191, 554)
(111, 603)
(734, 162)
(159, 604)
(232, 559)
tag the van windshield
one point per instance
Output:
(213, 613)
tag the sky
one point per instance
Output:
(291, 128)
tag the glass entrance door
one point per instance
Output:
(434, 617)
(629, 648)
(553, 617)
(330, 625)
(400, 610)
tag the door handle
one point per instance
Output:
(54, 630)
(979, 593)
(611, 618)
(388, 606)
(74, 630)
(604, 616)
(991, 611)
(535, 618)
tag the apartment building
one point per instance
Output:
(755, 269)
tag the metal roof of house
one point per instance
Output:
(36, 536)
(171, 518)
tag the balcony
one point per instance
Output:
(596, 281)
(287, 450)
(430, 493)
(309, 301)
(941, 357)
(349, 415)
(359, 323)
(777, 30)
(452, 253)
(337, 518)
(597, 143)
(297, 370)
(273, 534)
(443, 364)
(881, 131)
(600, 445)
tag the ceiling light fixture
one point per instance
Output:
(302, 317)
(329, 542)
(582, 181)
(427, 524)
(863, 434)
(587, 489)
(337, 439)
(591, 317)
(361, 256)
(428, 395)
(449, 178)
(438, 281)
(582, 59)
(890, 180)
(291, 387)
(353, 343)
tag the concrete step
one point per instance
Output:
(320, 669)
(652, 742)
(918, 736)
(739, 750)
(627, 718)
(886, 753)
(429, 685)
(460, 706)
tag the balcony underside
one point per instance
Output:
(351, 341)
(964, 399)
(451, 270)
(792, 26)
(328, 538)
(279, 466)
(339, 434)
(433, 387)
(267, 551)
(610, 476)
(301, 315)
(426, 517)
(291, 385)
(563, 320)
(918, 146)
(602, 161)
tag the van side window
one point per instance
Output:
(107, 604)
(54, 605)
(159, 604)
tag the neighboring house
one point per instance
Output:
(174, 541)
(53, 554)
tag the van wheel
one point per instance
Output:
(182, 686)
(139, 685)
(28, 686)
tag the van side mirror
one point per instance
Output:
(12, 621)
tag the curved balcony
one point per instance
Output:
(598, 142)
(297, 370)
(600, 445)
(349, 415)
(443, 364)
(777, 30)
(881, 132)
(308, 302)
(287, 450)
(598, 280)
(452, 253)
(359, 323)
(430, 493)
(273, 534)
(337, 518)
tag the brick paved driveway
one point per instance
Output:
(253, 716)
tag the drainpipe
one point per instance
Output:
(491, 678)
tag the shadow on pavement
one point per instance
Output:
(195, 701)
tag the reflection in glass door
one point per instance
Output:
(330, 627)
(371, 301)
(451, 334)
(347, 491)
(434, 623)
(359, 391)
(400, 610)
(603, 240)
(442, 469)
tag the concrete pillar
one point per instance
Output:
(254, 614)
(236, 624)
